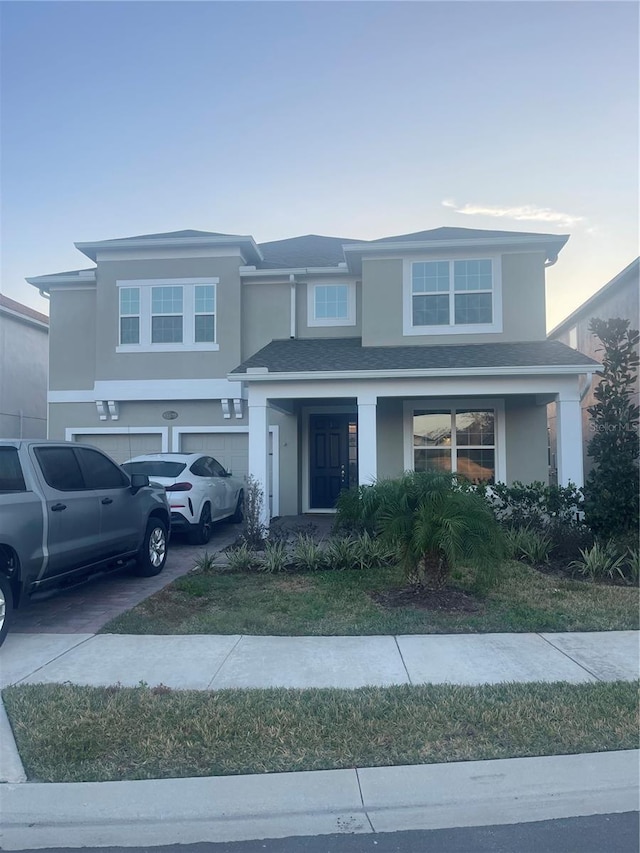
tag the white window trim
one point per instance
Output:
(349, 320)
(188, 314)
(452, 328)
(436, 404)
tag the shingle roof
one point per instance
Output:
(25, 310)
(171, 234)
(347, 355)
(457, 234)
(312, 250)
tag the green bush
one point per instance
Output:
(534, 505)
(432, 523)
(603, 561)
(242, 558)
(531, 546)
(307, 555)
(274, 557)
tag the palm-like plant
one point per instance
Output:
(434, 525)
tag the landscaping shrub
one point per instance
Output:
(274, 557)
(242, 558)
(307, 555)
(601, 561)
(612, 490)
(433, 524)
(253, 530)
(534, 505)
(531, 546)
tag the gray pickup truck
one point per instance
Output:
(68, 511)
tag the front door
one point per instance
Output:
(333, 457)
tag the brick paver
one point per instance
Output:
(86, 608)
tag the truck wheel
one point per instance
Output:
(153, 552)
(200, 533)
(6, 606)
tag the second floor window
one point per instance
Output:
(452, 296)
(165, 316)
(331, 305)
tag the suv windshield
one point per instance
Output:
(155, 468)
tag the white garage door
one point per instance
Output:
(231, 449)
(121, 447)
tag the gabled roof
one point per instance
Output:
(347, 356)
(629, 273)
(13, 307)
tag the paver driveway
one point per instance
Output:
(84, 609)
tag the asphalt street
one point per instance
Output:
(617, 833)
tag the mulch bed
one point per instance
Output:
(420, 598)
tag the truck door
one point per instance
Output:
(72, 512)
(121, 522)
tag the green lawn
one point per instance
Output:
(339, 603)
(70, 734)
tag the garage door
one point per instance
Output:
(121, 447)
(231, 449)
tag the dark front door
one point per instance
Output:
(333, 458)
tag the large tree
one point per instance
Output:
(612, 487)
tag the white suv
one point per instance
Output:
(199, 490)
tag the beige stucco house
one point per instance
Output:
(24, 348)
(620, 298)
(316, 363)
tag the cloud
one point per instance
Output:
(523, 213)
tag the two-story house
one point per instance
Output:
(316, 363)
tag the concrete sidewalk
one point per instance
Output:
(205, 662)
(379, 799)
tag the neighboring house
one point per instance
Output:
(618, 298)
(24, 355)
(316, 363)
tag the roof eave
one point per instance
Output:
(264, 375)
(551, 243)
(252, 250)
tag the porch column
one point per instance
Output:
(259, 454)
(367, 440)
(569, 440)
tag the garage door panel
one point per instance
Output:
(121, 447)
(230, 449)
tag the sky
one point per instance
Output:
(351, 119)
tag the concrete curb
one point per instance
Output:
(11, 769)
(378, 799)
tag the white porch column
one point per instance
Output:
(367, 440)
(259, 453)
(569, 438)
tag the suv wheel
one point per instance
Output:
(153, 552)
(6, 606)
(200, 533)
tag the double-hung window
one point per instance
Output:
(452, 296)
(331, 304)
(163, 315)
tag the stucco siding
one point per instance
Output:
(523, 304)
(304, 330)
(526, 440)
(72, 339)
(23, 379)
(168, 365)
(266, 313)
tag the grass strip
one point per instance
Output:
(70, 734)
(340, 603)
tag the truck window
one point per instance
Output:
(100, 472)
(11, 479)
(60, 468)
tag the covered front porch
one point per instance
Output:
(346, 432)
